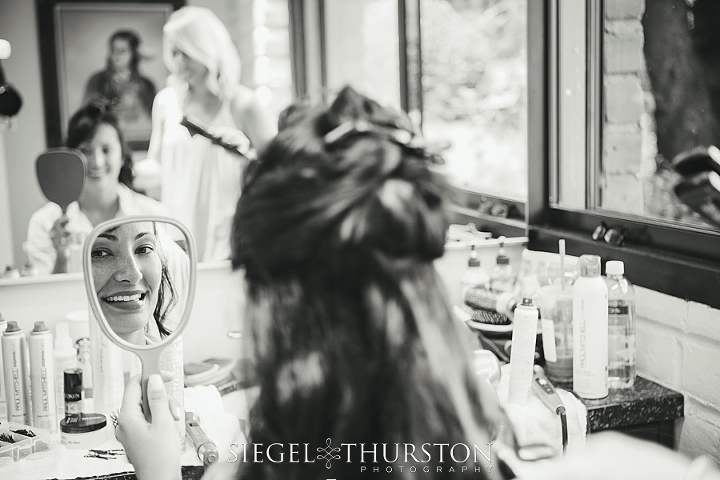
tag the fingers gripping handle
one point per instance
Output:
(150, 366)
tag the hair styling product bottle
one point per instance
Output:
(590, 330)
(522, 353)
(42, 377)
(13, 351)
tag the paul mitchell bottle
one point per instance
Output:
(42, 377)
(13, 352)
(590, 330)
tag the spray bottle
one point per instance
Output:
(522, 353)
(42, 377)
(13, 352)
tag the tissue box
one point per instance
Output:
(17, 441)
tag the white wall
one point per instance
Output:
(27, 140)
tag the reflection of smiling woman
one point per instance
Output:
(132, 281)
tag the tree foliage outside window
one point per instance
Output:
(474, 81)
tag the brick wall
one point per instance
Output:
(678, 345)
(678, 342)
(625, 112)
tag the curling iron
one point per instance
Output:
(545, 391)
(206, 450)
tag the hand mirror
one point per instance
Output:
(61, 175)
(140, 282)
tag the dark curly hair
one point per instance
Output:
(337, 230)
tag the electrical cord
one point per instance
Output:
(563, 425)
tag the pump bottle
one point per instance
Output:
(475, 275)
(590, 330)
(502, 276)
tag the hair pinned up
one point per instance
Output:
(352, 176)
(353, 336)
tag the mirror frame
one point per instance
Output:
(92, 294)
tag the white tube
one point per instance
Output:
(42, 378)
(13, 352)
(522, 353)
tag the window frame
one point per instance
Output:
(310, 76)
(676, 260)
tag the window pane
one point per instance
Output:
(660, 99)
(474, 78)
(362, 48)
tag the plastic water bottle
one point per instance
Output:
(621, 327)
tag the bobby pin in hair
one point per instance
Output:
(402, 137)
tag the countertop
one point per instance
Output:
(645, 403)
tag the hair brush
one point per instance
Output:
(483, 303)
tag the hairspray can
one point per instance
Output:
(522, 353)
(42, 377)
(3, 409)
(13, 352)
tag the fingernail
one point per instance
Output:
(155, 382)
(177, 412)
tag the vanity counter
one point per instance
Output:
(647, 410)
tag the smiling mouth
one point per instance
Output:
(96, 172)
(138, 297)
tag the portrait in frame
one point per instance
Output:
(108, 53)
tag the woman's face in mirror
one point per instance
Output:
(127, 270)
(192, 71)
(120, 55)
(104, 156)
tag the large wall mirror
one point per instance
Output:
(646, 77)
(51, 38)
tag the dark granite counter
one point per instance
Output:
(647, 410)
(646, 402)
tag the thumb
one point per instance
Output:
(158, 400)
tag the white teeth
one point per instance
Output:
(124, 298)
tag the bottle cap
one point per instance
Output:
(527, 302)
(73, 380)
(83, 423)
(473, 261)
(12, 326)
(615, 267)
(40, 327)
(589, 265)
(502, 258)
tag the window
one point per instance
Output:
(600, 114)
(457, 67)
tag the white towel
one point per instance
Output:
(534, 424)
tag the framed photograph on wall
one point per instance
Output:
(108, 53)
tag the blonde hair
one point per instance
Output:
(199, 34)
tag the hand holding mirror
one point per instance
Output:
(140, 281)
